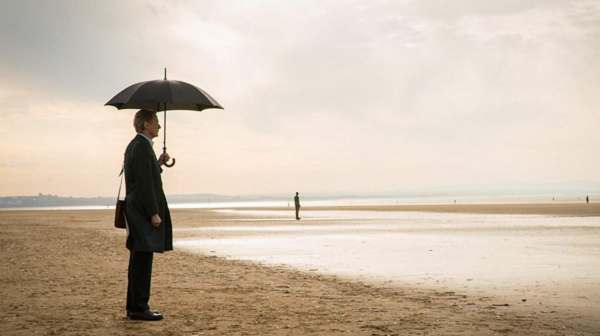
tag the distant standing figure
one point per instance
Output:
(587, 199)
(297, 204)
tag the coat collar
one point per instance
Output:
(143, 136)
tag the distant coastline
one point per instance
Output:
(42, 200)
(49, 200)
(215, 200)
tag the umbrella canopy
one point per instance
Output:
(158, 95)
(162, 95)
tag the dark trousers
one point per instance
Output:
(139, 277)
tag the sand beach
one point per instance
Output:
(64, 273)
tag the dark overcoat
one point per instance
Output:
(145, 197)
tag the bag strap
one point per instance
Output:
(121, 183)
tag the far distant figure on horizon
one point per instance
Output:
(587, 199)
(297, 204)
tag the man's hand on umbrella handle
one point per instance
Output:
(163, 158)
(155, 220)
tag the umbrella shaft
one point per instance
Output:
(165, 130)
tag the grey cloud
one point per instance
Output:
(83, 48)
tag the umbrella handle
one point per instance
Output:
(170, 164)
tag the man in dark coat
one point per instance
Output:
(149, 226)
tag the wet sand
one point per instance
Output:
(64, 273)
(532, 262)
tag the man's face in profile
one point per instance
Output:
(152, 127)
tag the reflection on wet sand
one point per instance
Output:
(526, 259)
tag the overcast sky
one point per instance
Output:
(319, 96)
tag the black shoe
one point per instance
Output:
(147, 315)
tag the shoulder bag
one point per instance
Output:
(120, 207)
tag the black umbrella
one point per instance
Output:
(162, 95)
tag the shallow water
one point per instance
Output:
(539, 257)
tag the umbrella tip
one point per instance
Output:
(165, 73)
